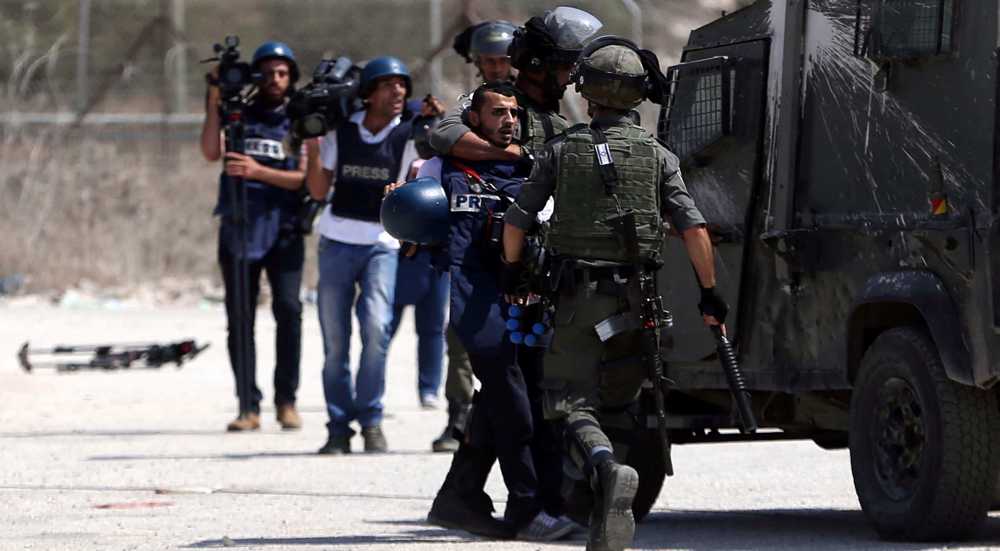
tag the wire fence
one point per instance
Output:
(101, 102)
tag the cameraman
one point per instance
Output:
(372, 149)
(272, 175)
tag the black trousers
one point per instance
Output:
(507, 426)
(283, 266)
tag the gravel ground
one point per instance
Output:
(139, 460)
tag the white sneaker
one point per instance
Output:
(545, 527)
(429, 401)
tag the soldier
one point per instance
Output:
(596, 174)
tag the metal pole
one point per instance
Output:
(435, 31)
(180, 57)
(636, 12)
(83, 56)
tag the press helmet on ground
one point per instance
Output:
(273, 49)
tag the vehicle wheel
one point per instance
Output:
(646, 457)
(924, 449)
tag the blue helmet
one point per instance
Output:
(276, 50)
(384, 66)
(417, 212)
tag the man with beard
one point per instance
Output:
(357, 161)
(543, 52)
(485, 46)
(503, 424)
(273, 176)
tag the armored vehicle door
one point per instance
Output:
(714, 124)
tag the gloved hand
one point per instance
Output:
(711, 304)
(512, 278)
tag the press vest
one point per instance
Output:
(363, 170)
(264, 136)
(270, 209)
(577, 227)
(477, 208)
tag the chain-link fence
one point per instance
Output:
(101, 102)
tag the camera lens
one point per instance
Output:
(314, 125)
(233, 76)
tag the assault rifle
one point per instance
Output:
(651, 318)
(109, 356)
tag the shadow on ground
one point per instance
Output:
(779, 528)
(249, 456)
(427, 536)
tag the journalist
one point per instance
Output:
(273, 175)
(357, 258)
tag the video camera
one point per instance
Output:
(234, 75)
(327, 101)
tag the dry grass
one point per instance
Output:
(74, 207)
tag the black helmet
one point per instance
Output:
(417, 212)
(557, 38)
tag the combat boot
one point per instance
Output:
(458, 414)
(247, 420)
(374, 439)
(611, 523)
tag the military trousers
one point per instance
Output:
(590, 385)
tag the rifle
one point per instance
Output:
(110, 356)
(651, 318)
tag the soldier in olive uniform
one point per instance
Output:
(596, 173)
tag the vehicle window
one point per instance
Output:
(699, 112)
(903, 29)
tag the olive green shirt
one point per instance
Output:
(678, 206)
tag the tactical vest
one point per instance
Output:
(477, 207)
(577, 227)
(538, 127)
(264, 133)
(364, 169)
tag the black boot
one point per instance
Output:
(611, 523)
(461, 503)
(458, 413)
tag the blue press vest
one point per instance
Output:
(476, 301)
(363, 170)
(269, 208)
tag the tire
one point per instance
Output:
(924, 449)
(646, 457)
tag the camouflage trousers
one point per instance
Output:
(590, 385)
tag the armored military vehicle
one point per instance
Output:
(844, 153)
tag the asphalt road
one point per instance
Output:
(139, 460)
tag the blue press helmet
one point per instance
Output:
(276, 50)
(384, 66)
(417, 212)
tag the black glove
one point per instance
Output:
(512, 278)
(711, 304)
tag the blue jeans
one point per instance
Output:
(343, 268)
(419, 284)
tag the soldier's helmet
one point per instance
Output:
(492, 38)
(612, 76)
(556, 38)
